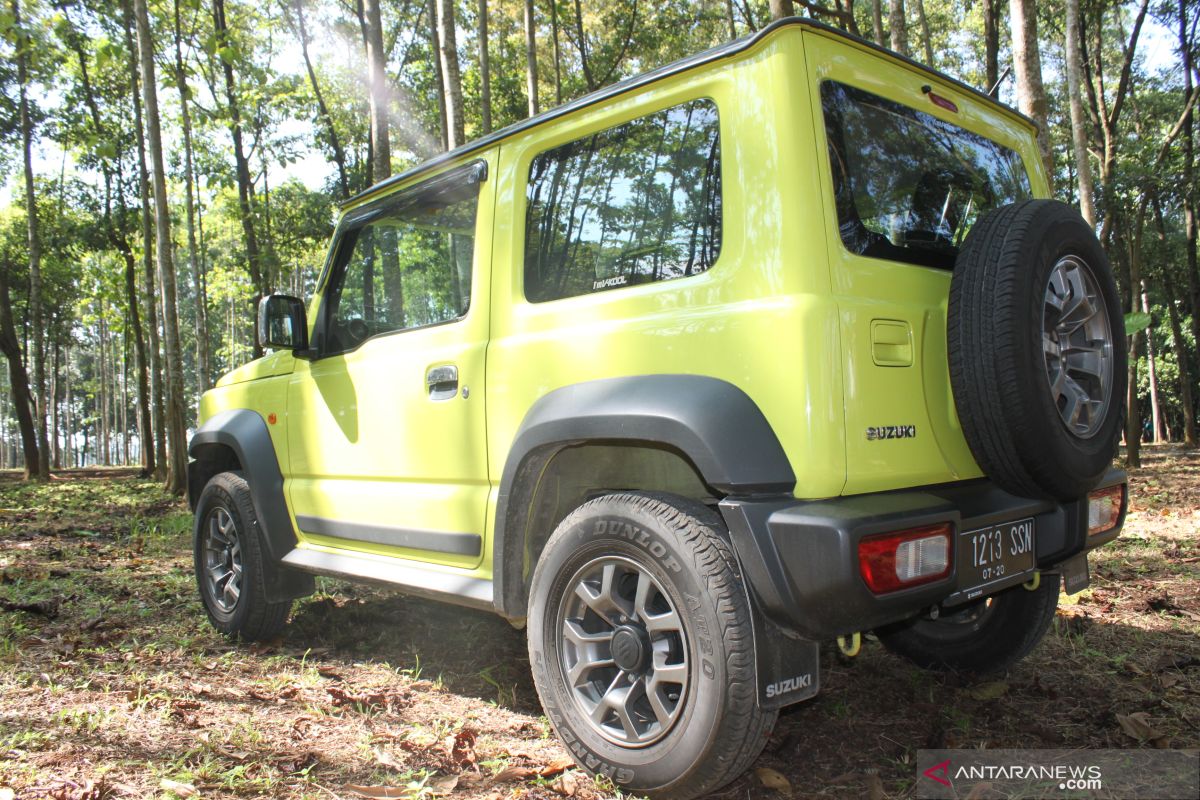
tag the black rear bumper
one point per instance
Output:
(800, 558)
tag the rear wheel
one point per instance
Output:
(642, 653)
(230, 563)
(988, 635)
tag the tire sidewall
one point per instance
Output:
(1054, 236)
(636, 536)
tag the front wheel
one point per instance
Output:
(641, 645)
(231, 563)
(988, 635)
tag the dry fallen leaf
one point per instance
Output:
(443, 784)
(181, 789)
(556, 767)
(515, 774)
(772, 779)
(386, 759)
(377, 792)
(1137, 726)
(566, 785)
(989, 691)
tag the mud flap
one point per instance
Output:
(787, 668)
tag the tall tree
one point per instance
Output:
(175, 417)
(531, 67)
(1083, 164)
(1027, 64)
(23, 49)
(923, 26)
(335, 142)
(448, 50)
(485, 68)
(18, 379)
(1187, 44)
(991, 43)
(435, 49)
(158, 411)
(782, 8)
(877, 23)
(381, 147)
(189, 171)
(898, 27)
(254, 256)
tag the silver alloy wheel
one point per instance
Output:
(623, 651)
(1077, 345)
(222, 560)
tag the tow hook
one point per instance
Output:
(1033, 583)
(850, 645)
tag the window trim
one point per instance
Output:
(473, 173)
(523, 225)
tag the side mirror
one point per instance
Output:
(282, 323)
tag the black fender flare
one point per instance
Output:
(245, 433)
(715, 424)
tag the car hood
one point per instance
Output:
(279, 363)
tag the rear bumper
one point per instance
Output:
(801, 558)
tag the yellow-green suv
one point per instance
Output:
(770, 346)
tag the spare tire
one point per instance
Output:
(1036, 346)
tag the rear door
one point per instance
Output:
(386, 426)
(906, 168)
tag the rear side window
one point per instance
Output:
(633, 204)
(908, 186)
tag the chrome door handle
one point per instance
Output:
(442, 382)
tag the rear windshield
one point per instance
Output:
(908, 186)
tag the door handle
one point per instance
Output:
(442, 382)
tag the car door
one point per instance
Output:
(386, 421)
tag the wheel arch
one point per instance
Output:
(238, 439)
(692, 435)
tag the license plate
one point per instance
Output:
(993, 555)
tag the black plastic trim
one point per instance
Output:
(800, 558)
(727, 50)
(710, 421)
(459, 544)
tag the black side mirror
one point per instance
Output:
(282, 323)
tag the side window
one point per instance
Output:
(404, 264)
(637, 203)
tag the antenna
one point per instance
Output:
(1000, 80)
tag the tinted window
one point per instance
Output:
(633, 204)
(908, 185)
(405, 264)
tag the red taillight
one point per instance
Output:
(891, 561)
(1104, 509)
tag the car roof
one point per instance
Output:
(720, 52)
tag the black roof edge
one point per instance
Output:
(721, 51)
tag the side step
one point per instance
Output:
(421, 581)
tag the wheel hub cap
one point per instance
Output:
(623, 651)
(1077, 343)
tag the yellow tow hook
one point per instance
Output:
(1033, 583)
(850, 645)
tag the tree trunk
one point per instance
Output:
(102, 393)
(335, 144)
(1027, 65)
(1152, 376)
(1179, 345)
(189, 167)
(18, 380)
(1083, 164)
(42, 464)
(159, 462)
(450, 76)
(244, 180)
(991, 44)
(923, 24)
(531, 73)
(898, 27)
(56, 451)
(176, 415)
(558, 51)
(729, 20)
(782, 8)
(381, 149)
(1189, 177)
(435, 50)
(877, 23)
(485, 70)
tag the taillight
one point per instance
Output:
(1104, 509)
(898, 560)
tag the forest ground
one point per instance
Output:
(112, 683)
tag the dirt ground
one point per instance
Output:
(112, 684)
